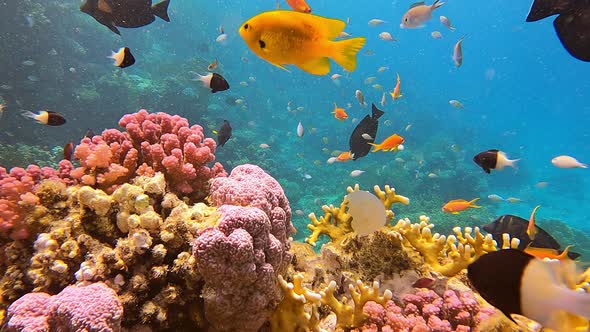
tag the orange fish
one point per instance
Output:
(212, 65)
(391, 143)
(344, 156)
(299, 6)
(542, 253)
(396, 91)
(531, 230)
(457, 205)
(339, 113)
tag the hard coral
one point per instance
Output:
(427, 311)
(241, 257)
(16, 198)
(337, 222)
(91, 307)
(152, 142)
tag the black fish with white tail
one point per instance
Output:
(224, 133)
(493, 159)
(123, 57)
(572, 25)
(125, 13)
(365, 133)
(516, 227)
(213, 81)
(46, 117)
(518, 283)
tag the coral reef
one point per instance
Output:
(336, 222)
(427, 311)
(152, 142)
(241, 257)
(85, 307)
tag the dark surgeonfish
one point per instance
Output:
(125, 13)
(365, 133)
(224, 133)
(572, 25)
(516, 227)
(520, 284)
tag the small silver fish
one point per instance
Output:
(386, 36)
(367, 136)
(356, 173)
(446, 22)
(28, 63)
(300, 129)
(458, 53)
(383, 99)
(455, 103)
(360, 97)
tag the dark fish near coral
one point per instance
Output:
(359, 145)
(518, 283)
(68, 150)
(125, 13)
(517, 227)
(493, 159)
(224, 133)
(89, 133)
(123, 57)
(572, 25)
(46, 117)
(213, 81)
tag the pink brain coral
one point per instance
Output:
(92, 308)
(242, 255)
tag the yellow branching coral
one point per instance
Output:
(336, 222)
(448, 255)
(351, 314)
(291, 315)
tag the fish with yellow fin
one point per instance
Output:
(284, 37)
(457, 205)
(531, 230)
(396, 93)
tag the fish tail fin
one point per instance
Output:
(512, 163)
(29, 115)
(472, 203)
(392, 95)
(344, 52)
(583, 166)
(377, 113)
(376, 147)
(544, 8)
(437, 4)
(161, 10)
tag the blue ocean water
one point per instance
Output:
(523, 94)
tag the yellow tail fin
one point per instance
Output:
(344, 52)
(376, 147)
(472, 205)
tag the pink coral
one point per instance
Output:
(241, 257)
(152, 142)
(93, 307)
(16, 197)
(427, 311)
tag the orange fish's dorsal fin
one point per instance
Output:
(327, 28)
(531, 229)
(416, 4)
(564, 253)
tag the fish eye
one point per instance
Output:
(406, 20)
(262, 43)
(246, 26)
